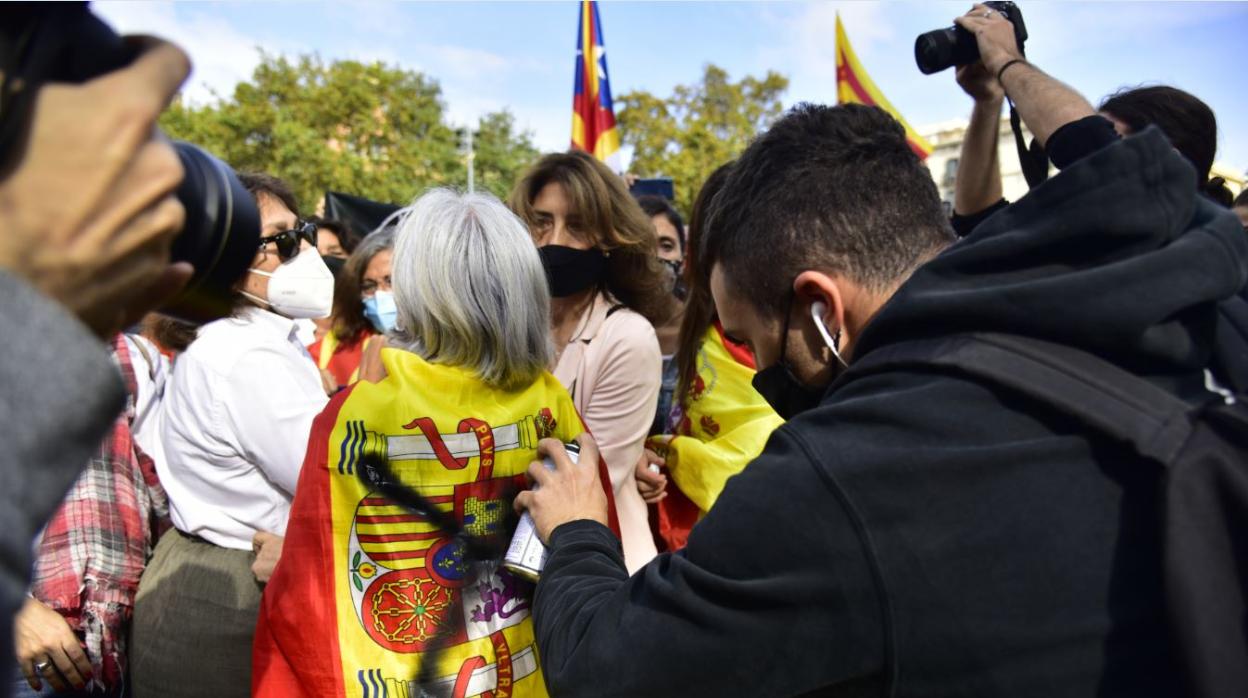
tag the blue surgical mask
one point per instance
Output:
(381, 311)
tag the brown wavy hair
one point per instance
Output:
(699, 306)
(614, 221)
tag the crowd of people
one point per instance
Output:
(799, 468)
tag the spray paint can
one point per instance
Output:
(526, 556)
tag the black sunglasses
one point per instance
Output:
(288, 240)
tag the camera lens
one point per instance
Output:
(220, 238)
(933, 51)
(944, 48)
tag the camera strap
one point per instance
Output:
(1033, 161)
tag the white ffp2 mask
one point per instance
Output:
(302, 287)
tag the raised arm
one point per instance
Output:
(978, 183)
(1044, 103)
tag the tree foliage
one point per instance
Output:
(697, 129)
(361, 128)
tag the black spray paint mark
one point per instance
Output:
(481, 554)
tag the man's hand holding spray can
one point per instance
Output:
(526, 556)
(563, 491)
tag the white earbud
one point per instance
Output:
(817, 310)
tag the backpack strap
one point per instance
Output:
(1111, 400)
(147, 356)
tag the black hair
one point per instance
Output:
(835, 188)
(260, 183)
(257, 183)
(1218, 192)
(346, 236)
(699, 305)
(1242, 199)
(658, 206)
(1188, 123)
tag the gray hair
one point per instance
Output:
(377, 241)
(470, 288)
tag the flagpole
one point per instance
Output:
(471, 156)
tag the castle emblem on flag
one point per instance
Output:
(404, 571)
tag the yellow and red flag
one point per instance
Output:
(723, 426)
(368, 592)
(854, 86)
(593, 115)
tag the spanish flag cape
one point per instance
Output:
(367, 590)
(725, 424)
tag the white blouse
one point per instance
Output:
(236, 419)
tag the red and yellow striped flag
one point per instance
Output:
(854, 86)
(723, 426)
(593, 113)
(367, 591)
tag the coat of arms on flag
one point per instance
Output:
(376, 599)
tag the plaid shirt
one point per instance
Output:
(92, 552)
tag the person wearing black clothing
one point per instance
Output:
(912, 532)
(1187, 122)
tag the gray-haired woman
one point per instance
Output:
(366, 590)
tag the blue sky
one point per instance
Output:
(519, 55)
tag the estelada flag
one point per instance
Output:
(593, 115)
(724, 425)
(367, 591)
(854, 86)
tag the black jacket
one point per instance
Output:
(923, 534)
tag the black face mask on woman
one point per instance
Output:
(570, 270)
(777, 383)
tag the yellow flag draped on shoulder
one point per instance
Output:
(854, 86)
(724, 426)
(369, 591)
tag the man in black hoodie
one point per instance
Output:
(912, 532)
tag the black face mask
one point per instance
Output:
(335, 264)
(787, 395)
(570, 270)
(678, 288)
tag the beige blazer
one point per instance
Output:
(612, 367)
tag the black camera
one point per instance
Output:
(944, 48)
(64, 42)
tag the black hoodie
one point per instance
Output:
(923, 534)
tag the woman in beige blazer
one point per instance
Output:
(608, 290)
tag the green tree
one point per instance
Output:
(697, 129)
(501, 153)
(361, 128)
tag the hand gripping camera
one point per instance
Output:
(63, 42)
(944, 48)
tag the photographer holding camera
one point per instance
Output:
(87, 219)
(921, 525)
(101, 220)
(1187, 122)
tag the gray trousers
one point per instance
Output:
(194, 619)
